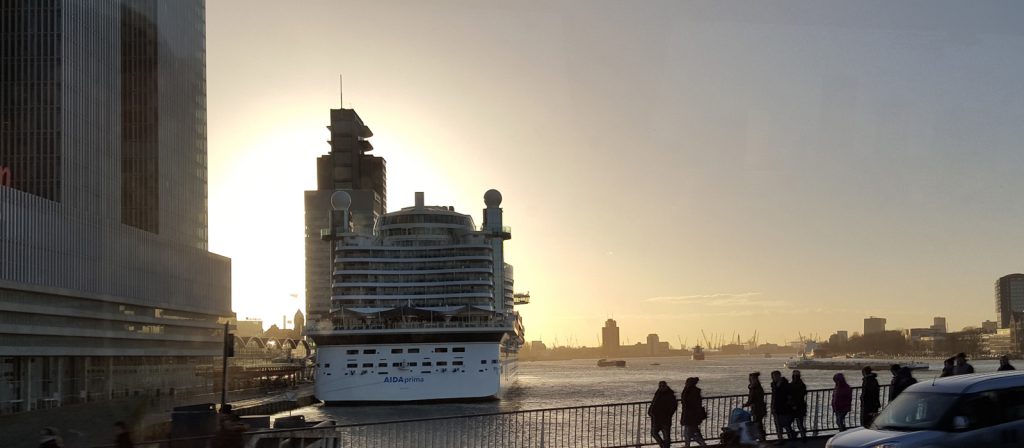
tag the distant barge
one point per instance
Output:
(878, 366)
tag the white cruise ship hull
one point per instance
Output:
(449, 371)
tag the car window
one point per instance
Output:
(913, 411)
(981, 410)
(1011, 403)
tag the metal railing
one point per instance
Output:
(618, 425)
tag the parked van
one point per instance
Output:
(982, 409)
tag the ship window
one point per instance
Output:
(459, 349)
(396, 364)
(383, 364)
(440, 350)
(483, 361)
(426, 364)
(368, 364)
(457, 363)
(352, 352)
(369, 351)
(352, 366)
(414, 350)
(442, 363)
(412, 364)
(327, 366)
(382, 373)
(424, 371)
(494, 361)
(396, 350)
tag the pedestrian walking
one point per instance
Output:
(782, 407)
(902, 379)
(663, 407)
(693, 412)
(962, 367)
(947, 367)
(124, 437)
(755, 401)
(798, 396)
(49, 438)
(870, 398)
(842, 400)
(1004, 364)
(229, 435)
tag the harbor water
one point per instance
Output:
(550, 384)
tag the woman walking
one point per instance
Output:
(842, 400)
(798, 399)
(693, 412)
(755, 401)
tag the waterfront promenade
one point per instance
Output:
(616, 425)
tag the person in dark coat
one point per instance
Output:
(901, 380)
(894, 390)
(756, 403)
(798, 397)
(663, 407)
(870, 398)
(229, 435)
(842, 400)
(782, 405)
(693, 412)
(962, 367)
(1004, 364)
(124, 437)
(947, 368)
(49, 438)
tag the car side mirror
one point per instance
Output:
(960, 422)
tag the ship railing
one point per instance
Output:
(407, 325)
(617, 425)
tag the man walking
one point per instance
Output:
(1004, 364)
(663, 407)
(870, 399)
(781, 405)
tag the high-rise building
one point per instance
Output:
(610, 337)
(939, 324)
(347, 167)
(1009, 298)
(874, 325)
(106, 285)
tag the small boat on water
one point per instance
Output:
(878, 366)
(698, 353)
(611, 363)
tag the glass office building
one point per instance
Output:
(106, 284)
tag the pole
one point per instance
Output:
(224, 371)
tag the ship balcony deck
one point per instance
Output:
(505, 325)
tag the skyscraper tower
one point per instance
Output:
(347, 167)
(103, 190)
(610, 337)
(1009, 298)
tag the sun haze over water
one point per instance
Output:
(728, 166)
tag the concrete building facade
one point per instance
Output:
(347, 167)
(106, 285)
(610, 337)
(1009, 298)
(874, 325)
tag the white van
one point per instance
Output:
(981, 409)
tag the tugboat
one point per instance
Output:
(613, 363)
(698, 353)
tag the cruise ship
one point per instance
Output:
(422, 308)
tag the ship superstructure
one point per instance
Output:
(422, 307)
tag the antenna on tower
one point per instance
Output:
(341, 91)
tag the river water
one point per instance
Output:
(548, 384)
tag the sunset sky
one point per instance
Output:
(777, 166)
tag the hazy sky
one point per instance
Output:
(777, 166)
